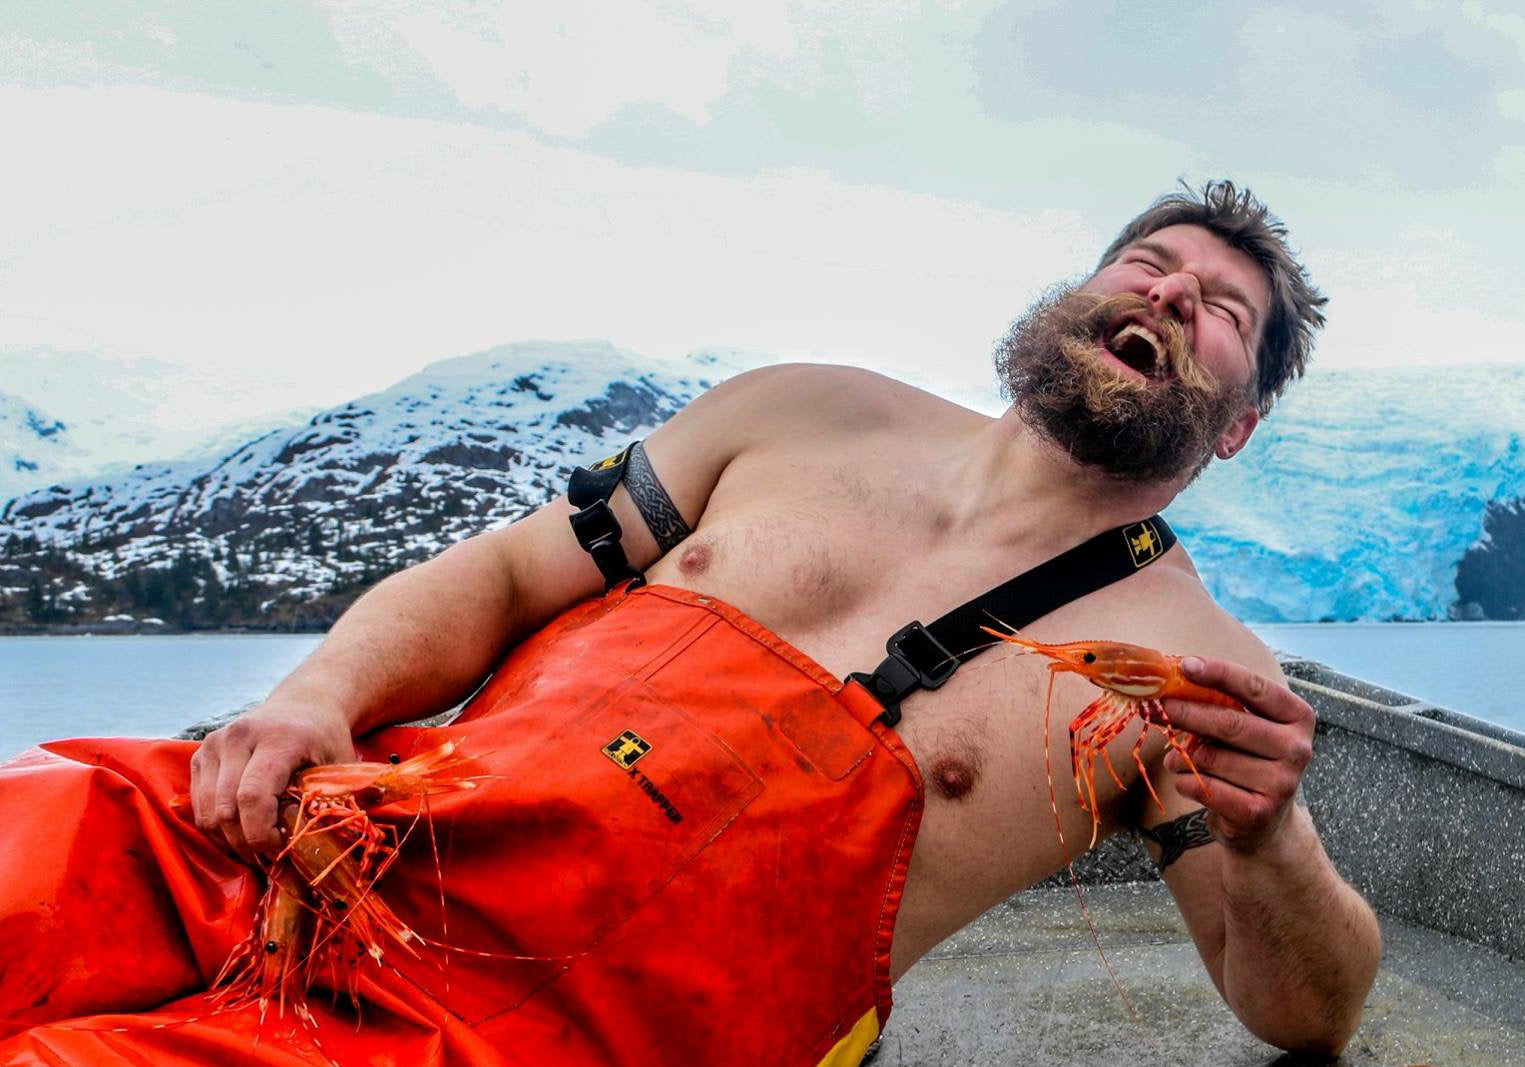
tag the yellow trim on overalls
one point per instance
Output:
(849, 1051)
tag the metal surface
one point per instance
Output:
(1421, 808)
(1024, 985)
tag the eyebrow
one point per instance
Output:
(1218, 285)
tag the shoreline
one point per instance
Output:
(140, 628)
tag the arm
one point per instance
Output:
(415, 644)
(1290, 945)
(422, 640)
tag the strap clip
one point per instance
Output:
(594, 524)
(929, 662)
(916, 660)
(596, 527)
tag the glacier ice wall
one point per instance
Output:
(1357, 498)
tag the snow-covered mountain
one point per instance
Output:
(35, 447)
(68, 416)
(1366, 495)
(290, 526)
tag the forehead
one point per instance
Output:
(1212, 259)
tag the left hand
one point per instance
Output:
(1252, 761)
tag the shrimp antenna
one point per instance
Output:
(1012, 635)
(1003, 624)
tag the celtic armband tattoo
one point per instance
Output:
(1178, 835)
(651, 500)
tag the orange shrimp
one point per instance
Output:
(321, 912)
(1134, 681)
(272, 961)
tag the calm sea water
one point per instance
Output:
(1471, 667)
(54, 687)
(154, 686)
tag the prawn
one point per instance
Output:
(320, 912)
(1135, 681)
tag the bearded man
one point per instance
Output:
(696, 843)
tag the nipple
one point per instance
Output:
(695, 558)
(952, 777)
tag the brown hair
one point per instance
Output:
(1246, 224)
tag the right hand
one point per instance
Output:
(240, 770)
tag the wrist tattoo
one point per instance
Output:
(656, 507)
(1178, 835)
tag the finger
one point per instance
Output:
(1271, 778)
(1237, 729)
(1259, 694)
(264, 777)
(1243, 809)
(225, 806)
(204, 765)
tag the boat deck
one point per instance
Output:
(1024, 985)
(1419, 807)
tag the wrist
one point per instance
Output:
(1289, 852)
(1283, 839)
(314, 698)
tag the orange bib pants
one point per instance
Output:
(700, 835)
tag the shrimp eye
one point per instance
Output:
(393, 758)
(272, 948)
(1090, 657)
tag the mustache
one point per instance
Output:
(1131, 427)
(1094, 318)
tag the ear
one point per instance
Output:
(1237, 435)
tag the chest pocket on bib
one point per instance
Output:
(589, 813)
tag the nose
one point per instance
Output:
(1178, 294)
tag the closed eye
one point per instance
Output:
(1226, 311)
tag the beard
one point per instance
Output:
(1133, 430)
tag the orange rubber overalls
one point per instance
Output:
(700, 834)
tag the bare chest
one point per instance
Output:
(834, 560)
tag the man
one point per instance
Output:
(829, 507)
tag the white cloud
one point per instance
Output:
(568, 66)
(1509, 23)
(340, 250)
(348, 249)
(1512, 104)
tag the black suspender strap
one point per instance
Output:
(594, 524)
(924, 657)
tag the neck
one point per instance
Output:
(1012, 475)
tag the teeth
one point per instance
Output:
(1135, 330)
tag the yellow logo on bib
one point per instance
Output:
(626, 749)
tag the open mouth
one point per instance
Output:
(1140, 349)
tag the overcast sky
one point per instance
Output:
(316, 199)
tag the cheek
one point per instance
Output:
(1220, 344)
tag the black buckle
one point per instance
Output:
(916, 660)
(598, 531)
(595, 525)
(927, 658)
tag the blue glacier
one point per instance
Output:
(1360, 494)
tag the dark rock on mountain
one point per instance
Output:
(1490, 581)
(285, 531)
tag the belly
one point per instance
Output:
(989, 828)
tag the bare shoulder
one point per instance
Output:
(784, 406)
(784, 395)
